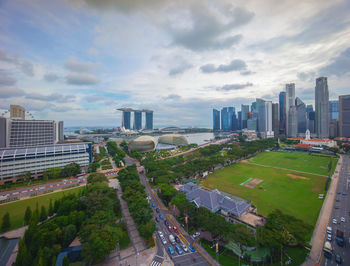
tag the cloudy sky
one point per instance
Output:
(79, 60)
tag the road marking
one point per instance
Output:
(155, 263)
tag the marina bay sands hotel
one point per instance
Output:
(126, 118)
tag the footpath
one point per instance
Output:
(319, 233)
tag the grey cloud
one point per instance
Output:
(54, 97)
(180, 68)
(61, 109)
(172, 97)
(74, 65)
(50, 77)
(339, 66)
(9, 92)
(25, 66)
(94, 98)
(124, 5)
(6, 79)
(81, 79)
(231, 87)
(319, 27)
(235, 65)
(247, 72)
(208, 32)
(306, 76)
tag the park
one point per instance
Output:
(289, 181)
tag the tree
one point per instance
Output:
(6, 224)
(51, 212)
(167, 192)
(71, 169)
(28, 215)
(43, 214)
(65, 261)
(68, 235)
(96, 177)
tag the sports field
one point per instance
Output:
(17, 209)
(301, 161)
(292, 192)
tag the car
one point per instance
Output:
(329, 229)
(177, 239)
(344, 193)
(196, 234)
(178, 249)
(171, 251)
(336, 207)
(185, 249)
(191, 248)
(337, 199)
(166, 222)
(334, 221)
(338, 259)
(338, 192)
(175, 229)
(329, 237)
(342, 219)
(164, 240)
(153, 205)
(170, 228)
(157, 220)
(161, 216)
(160, 233)
(157, 210)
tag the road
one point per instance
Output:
(186, 258)
(341, 208)
(28, 191)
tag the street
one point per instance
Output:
(341, 209)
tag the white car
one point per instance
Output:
(164, 240)
(160, 233)
(196, 234)
(184, 247)
(342, 219)
(329, 237)
(335, 221)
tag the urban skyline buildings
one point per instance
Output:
(344, 116)
(322, 108)
(137, 121)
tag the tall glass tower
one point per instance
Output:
(322, 108)
(216, 120)
(137, 120)
(149, 120)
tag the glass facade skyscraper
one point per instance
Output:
(333, 110)
(282, 114)
(216, 120)
(149, 120)
(126, 120)
(228, 119)
(322, 108)
(301, 115)
(137, 120)
(245, 111)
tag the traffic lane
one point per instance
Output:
(193, 259)
(343, 210)
(41, 188)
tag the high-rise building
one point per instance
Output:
(322, 108)
(344, 116)
(19, 133)
(149, 119)
(244, 112)
(282, 113)
(275, 120)
(252, 124)
(333, 110)
(17, 111)
(225, 119)
(290, 101)
(311, 122)
(261, 110)
(268, 120)
(239, 124)
(216, 120)
(292, 122)
(334, 128)
(301, 116)
(126, 118)
(234, 120)
(137, 120)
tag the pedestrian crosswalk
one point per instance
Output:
(155, 263)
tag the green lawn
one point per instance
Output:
(295, 196)
(301, 161)
(18, 208)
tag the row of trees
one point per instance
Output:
(71, 169)
(135, 195)
(117, 154)
(90, 215)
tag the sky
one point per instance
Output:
(80, 60)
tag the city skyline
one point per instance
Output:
(105, 55)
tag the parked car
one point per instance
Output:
(196, 234)
(178, 249)
(334, 221)
(338, 259)
(157, 220)
(329, 237)
(191, 248)
(161, 216)
(175, 229)
(153, 205)
(329, 229)
(166, 222)
(171, 251)
(337, 199)
(342, 219)
(344, 193)
(170, 228)
(336, 207)
(160, 233)
(185, 249)
(157, 210)
(164, 240)
(172, 239)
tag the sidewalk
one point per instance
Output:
(318, 235)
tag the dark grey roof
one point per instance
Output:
(213, 200)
